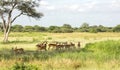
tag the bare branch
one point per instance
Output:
(9, 17)
(16, 17)
(13, 6)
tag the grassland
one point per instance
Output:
(100, 51)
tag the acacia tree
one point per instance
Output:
(25, 7)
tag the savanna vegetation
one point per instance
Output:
(96, 51)
(99, 51)
(65, 28)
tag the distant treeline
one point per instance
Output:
(65, 28)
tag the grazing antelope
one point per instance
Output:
(78, 44)
(44, 42)
(60, 46)
(67, 46)
(41, 46)
(52, 45)
(18, 50)
(72, 45)
(64, 43)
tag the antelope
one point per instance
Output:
(60, 46)
(78, 44)
(67, 46)
(72, 44)
(52, 45)
(18, 50)
(57, 45)
(41, 46)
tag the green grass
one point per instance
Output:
(23, 66)
(99, 52)
(105, 50)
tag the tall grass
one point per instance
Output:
(95, 55)
(99, 54)
(105, 50)
(23, 66)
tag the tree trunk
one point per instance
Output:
(6, 32)
(5, 37)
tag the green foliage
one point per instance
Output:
(54, 29)
(23, 66)
(99, 52)
(85, 25)
(28, 8)
(57, 30)
(116, 28)
(66, 28)
(106, 49)
(17, 28)
(101, 28)
(28, 29)
(39, 29)
(93, 30)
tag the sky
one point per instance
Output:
(75, 13)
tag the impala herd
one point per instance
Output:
(56, 45)
(47, 46)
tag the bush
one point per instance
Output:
(105, 49)
(116, 28)
(23, 66)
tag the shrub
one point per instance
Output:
(23, 66)
(105, 49)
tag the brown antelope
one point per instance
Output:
(44, 42)
(18, 50)
(41, 47)
(67, 46)
(60, 46)
(72, 45)
(78, 45)
(52, 45)
(57, 45)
